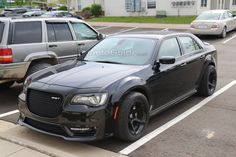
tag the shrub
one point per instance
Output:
(96, 10)
(86, 12)
(63, 8)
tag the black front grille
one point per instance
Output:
(44, 104)
(55, 129)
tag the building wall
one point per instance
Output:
(117, 7)
(232, 7)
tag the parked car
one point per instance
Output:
(214, 22)
(13, 12)
(33, 13)
(117, 85)
(61, 14)
(29, 45)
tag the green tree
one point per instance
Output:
(19, 2)
(96, 10)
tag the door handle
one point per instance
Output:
(52, 45)
(81, 44)
(202, 56)
(183, 64)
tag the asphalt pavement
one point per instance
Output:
(208, 132)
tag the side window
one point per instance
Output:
(225, 15)
(51, 33)
(169, 47)
(189, 45)
(27, 32)
(230, 15)
(59, 32)
(83, 32)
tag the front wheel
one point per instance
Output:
(132, 118)
(208, 84)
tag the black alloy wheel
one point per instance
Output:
(137, 118)
(132, 118)
(209, 81)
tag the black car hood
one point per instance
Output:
(90, 75)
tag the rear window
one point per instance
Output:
(27, 32)
(1, 30)
(209, 16)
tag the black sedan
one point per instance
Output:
(117, 85)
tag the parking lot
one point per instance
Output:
(194, 127)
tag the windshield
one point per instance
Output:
(132, 51)
(209, 16)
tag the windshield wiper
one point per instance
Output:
(112, 62)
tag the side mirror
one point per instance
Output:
(167, 60)
(101, 36)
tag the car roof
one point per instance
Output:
(151, 34)
(56, 19)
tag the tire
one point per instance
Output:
(224, 33)
(132, 118)
(6, 85)
(208, 84)
(36, 67)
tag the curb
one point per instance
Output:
(4, 126)
(141, 25)
(52, 146)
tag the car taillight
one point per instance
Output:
(5, 56)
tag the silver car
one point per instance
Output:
(28, 45)
(214, 22)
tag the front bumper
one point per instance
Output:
(71, 124)
(13, 71)
(216, 31)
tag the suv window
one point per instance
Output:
(189, 45)
(58, 32)
(83, 32)
(27, 32)
(1, 30)
(170, 47)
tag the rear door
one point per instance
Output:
(232, 20)
(61, 40)
(25, 38)
(228, 21)
(194, 60)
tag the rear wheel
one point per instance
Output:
(209, 81)
(36, 67)
(6, 85)
(132, 118)
(224, 33)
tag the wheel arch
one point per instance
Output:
(138, 89)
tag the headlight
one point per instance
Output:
(96, 99)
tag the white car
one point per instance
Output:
(214, 22)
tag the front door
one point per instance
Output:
(166, 83)
(86, 37)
